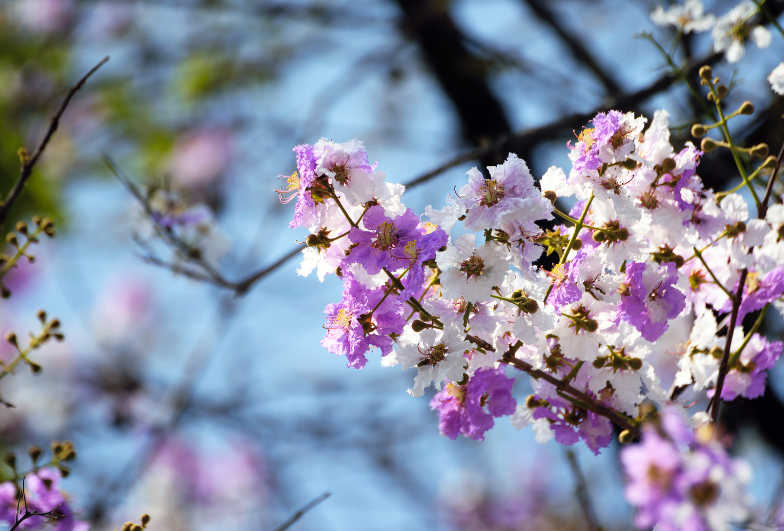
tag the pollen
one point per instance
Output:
(341, 320)
(292, 185)
(429, 227)
(387, 237)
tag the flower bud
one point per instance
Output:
(529, 306)
(721, 91)
(577, 245)
(759, 151)
(622, 234)
(698, 130)
(127, 526)
(517, 294)
(599, 362)
(599, 236)
(708, 144)
(716, 352)
(635, 364)
(668, 165)
(34, 452)
(10, 459)
(41, 314)
(550, 195)
(531, 402)
(769, 162)
(34, 367)
(417, 326)
(21, 227)
(145, 520)
(746, 108)
(590, 325)
(629, 164)
(136, 527)
(11, 239)
(463, 380)
(706, 73)
(625, 437)
(10, 337)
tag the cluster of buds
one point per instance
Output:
(20, 240)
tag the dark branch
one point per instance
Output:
(29, 163)
(299, 514)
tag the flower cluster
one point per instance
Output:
(680, 478)
(644, 244)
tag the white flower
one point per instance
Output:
(578, 325)
(523, 417)
(688, 17)
(438, 355)
(470, 272)
(733, 29)
(776, 79)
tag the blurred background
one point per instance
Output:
(208, 402)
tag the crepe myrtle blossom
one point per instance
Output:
(649, 298)
(679, 479)
(469, 271)
(570, 423)
(735, 28)
(509, 193)
(42, 493)
(686, 18)
(363, 319)
(382, 243)
(759, 290)
(437, 355)
(776, 79)
(470, 409)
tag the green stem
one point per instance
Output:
(20, 251)
(736, 355)
(698, 254)
(577, 227)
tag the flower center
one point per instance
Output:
(435, 354)
(341, 320)
(429, 228)
(292, 185)
(473, 266)
(490, 192)
(387, 237)
(410, 250)
(740, 31)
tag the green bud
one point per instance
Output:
(759, 151)
(625, 437)
(721, 91)
(599, 362)
(622, 234)
(34, 452)
(708, 144)
(668, 165)
(145, 520)
(577, 245)
(531, 402)
(417, 325)
(746, 108)
(529, 306)
(10, 337)
(590, 325)
(716, 352)
(34, 367)
(10, 460)
(635, 364)
(599, 236)
(11, 239)
(706, 73)
(517, 294)
(629, 164)
(698, 130)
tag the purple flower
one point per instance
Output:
(306, 168)
(354, 325)
(385, 241)
(461, 409)
(570, 424)
(649, 298)
(679, 480)
(564, 278)
(757, 292)
(747, 378)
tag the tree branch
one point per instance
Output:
(29, 163)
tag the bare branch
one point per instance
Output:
(29, 163)
(299, 514)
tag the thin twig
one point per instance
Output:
(29, 163)
(299, 514)
(586, 400)
(581, 491)
(28, 513)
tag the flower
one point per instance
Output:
(649, 298)
(687, 17)
(469, 271)
(733, 30)
(461, 409)
(776, 79)
(438, 356)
